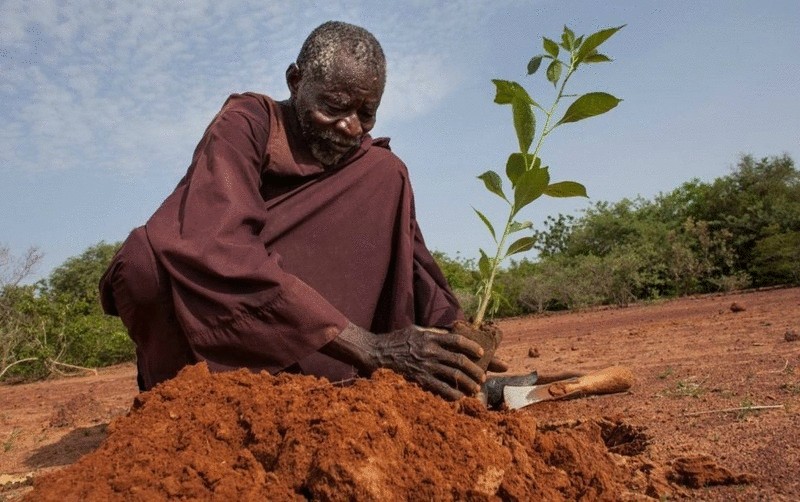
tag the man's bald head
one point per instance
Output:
(333, 40)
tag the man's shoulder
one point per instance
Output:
(380, 150)
(252, 104)
(379, 154)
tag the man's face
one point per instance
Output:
(335, 111)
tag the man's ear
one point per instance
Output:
(293, 77)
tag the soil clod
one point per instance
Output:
(488, 336)
(701, 470)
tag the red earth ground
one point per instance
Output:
(717, 389)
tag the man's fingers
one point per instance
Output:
(440, 388)
(443, 363)
(459, 343)
(462, 364)
(458, 379)
(497, 365)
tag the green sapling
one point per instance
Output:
(530, 179)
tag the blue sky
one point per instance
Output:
(102, 103)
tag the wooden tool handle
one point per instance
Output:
(607, 381)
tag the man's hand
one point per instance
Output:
(439, 362)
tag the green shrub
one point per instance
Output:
(776, 259)
(58, 323)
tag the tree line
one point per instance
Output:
(741, 230)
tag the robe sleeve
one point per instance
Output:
(435, 305)
(234, 302)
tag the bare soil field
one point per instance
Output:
(717, 389)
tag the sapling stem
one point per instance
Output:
(498, 258)
(549, 114)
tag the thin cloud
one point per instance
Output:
(128, 86)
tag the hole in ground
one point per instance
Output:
(622, 438)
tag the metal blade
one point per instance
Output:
(519, 397)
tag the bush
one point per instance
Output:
(776, 259)
(24, 344)
(58, 323)
(96, 340)
(460, 272)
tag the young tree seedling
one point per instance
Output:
(530, 179)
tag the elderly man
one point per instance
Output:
(291, 243)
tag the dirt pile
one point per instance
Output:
(244, 436)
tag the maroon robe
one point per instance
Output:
(261, 256)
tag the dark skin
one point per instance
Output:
(335, 111)
(440, 362)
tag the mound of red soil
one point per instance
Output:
(245, 436)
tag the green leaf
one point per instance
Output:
(504, 92)
(524, 123)
(554, 72)
(497, 299)
(515, 166)
(486, 222)
(550, 47)
(534, 64)
(493, 183)
(568, 39)
(516, 226)
(594, 40)
(518, 163)
(484, 265)
(596, 58)
(530, 186)
(589, 105)
(566, 189)
(520, 246)
(507, 91)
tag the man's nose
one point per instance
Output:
(351, 126)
